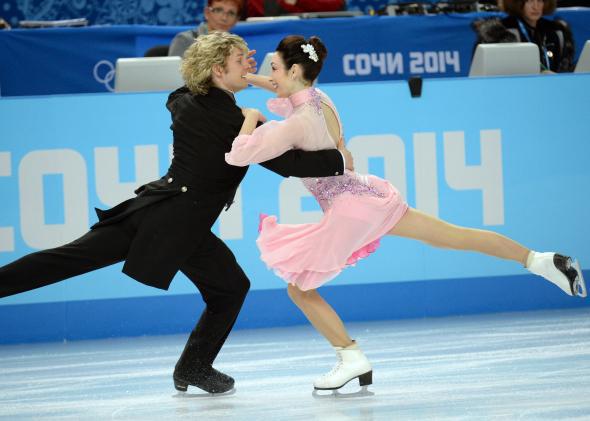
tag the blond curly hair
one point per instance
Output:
(207, 51)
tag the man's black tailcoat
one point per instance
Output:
(167, 226)
(185, 203)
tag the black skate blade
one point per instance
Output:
(579, 284)
(565, 264)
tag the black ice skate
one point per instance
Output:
(560, 270)
(203, 376)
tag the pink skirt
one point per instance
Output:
(309, 255)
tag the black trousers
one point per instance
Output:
(212, 268)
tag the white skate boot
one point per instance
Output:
(351, 364)
(560, 270)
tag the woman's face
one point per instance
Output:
(532, 11)
(280, 77)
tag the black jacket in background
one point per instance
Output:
(554, 34)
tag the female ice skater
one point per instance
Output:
(358, 209)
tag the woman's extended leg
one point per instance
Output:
(352, 363)
(421, 226)
(558, 269)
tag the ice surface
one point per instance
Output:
(533, 365)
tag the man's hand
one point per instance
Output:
(347, 155)
(252, 62)
(253, 113)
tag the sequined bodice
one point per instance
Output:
(304, 128)
(326, 189)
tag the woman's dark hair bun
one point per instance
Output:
(291, 49)
(319, 47)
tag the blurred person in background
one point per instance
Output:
(220, 15)
(4, 24)
(525, 23)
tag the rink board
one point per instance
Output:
(159, 315)
(476, 152)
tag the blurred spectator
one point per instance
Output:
(525, 23)
(220, 15)
(4, 24)
(256, 8)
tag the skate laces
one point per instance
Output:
(334, 369)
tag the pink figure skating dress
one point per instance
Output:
(358, 209)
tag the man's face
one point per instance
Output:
(236, 68)
(222, 15)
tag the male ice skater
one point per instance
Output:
(167, 226)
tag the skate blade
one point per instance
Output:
(199, 393)
(579, 284)
(337, 394)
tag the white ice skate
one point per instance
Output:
(560, 270)
(351, 364)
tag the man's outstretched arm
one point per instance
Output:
(298, 163)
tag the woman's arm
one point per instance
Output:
(260, 81)
(272, 139)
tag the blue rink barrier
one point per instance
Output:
(169, 314)
(495, 161)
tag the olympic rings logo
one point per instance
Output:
(104, 73)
